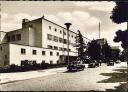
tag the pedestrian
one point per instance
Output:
(100, 62)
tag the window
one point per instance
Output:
(43, 61)
(64, 33)
(55, 47)
(49, 37)
(55, 29)
(50, 27)
(0, 48)
(23, 51)
(51, 53)
(55, 38)
(72, 36)
(65, 49)
(22, 63)
(43, 52)
(34, 62)
(60, 40)
(65, 41)
(60, 48)
(60, 32)
(34, 52)
(8, 38)
(5, 56)
(13, 37)
(69, 49)
(49, 46)
(18, 36)
(57, 61)
(51, 62)
(57, 53)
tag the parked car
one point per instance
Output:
(110, 63)
(75, 66)
(118, 62)
(93, 64)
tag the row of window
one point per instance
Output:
(60, 31)
(58, 39)
(56, 48)
(34, 52)
(24, 62)
(16, 37)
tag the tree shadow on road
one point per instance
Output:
(119, 76)
(70, 72)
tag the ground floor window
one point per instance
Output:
(57, 53)
(51, 62)
(23, 51)
(34, 52)
(34, 62)
(43, 61)
(51, 53)
(57, 61)
(43, 52)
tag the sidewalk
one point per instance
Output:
(11, 77)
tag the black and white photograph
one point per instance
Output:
(64, 46)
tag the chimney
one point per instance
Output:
(24, 21)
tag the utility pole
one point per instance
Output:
(100, 46)
(68, 26)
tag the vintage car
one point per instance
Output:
(93, 64)
(110, 63)
(117, 62)
(75, 66)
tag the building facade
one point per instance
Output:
(38, 40)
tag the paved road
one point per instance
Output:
(64, 81)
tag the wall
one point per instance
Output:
(16, 57)
(46, 30)
(32, 37)
(4, 54)
(24, 36)
(35, 32)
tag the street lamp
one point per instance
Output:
(68, 26)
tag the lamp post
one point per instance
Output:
(68, 26)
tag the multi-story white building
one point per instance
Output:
(38, 40)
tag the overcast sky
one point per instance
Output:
(84, 16)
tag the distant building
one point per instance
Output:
(39, 40)
(101, 41)
(115, 47)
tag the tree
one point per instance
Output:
(123, 56)
(120, 15)
(80, 45)
(94, 50)
(120, 12)
(123, 37)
